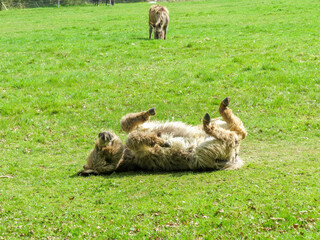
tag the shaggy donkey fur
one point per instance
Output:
(169, 146)
(159, 20)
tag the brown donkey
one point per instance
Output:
(169, 146)
(158, 20)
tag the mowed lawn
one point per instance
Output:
(68, 73)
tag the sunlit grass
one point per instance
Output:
(66, 74)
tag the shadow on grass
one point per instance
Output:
(140, 38)
(144, 173)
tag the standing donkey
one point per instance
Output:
(159, 21)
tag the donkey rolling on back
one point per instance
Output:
(169, 146)
(158, 20)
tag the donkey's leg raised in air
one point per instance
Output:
(234, 123)
(212, 129)
(132, 120)
(230, 138)
(236, 130)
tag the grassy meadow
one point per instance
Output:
(68, 73)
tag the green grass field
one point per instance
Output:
(68, 73)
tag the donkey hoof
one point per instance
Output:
(226, 101)
(166, 145)
(206, 118)
(152, 111)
